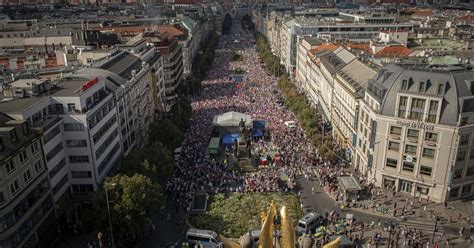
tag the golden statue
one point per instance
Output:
(287, 239)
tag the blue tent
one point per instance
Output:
(257, 133)
(228, 139)
(259, 124)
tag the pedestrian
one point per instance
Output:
(394, 213)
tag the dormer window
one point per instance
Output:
(441, 89)
(405, 84)
(25, 128)
(13, 135)
(422, 87)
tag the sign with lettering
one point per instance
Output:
(90, 84)
(416, 124)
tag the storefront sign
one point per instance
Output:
(416, 124)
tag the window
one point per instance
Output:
(417, 109)
(466, 189)
(409, 149)
(457, 174)
(428, 153)
(470, 171)
(461, 156)
(422, 87)
(441, 89)
(394, 146)
(422, 190)
(51, 154)
(51, 134)
(73, 127)
(82, 188)
(471, 154)
(71, 107)
(27, 176)
(407, 166)
(76, 143)
(463, 121)
(453, 193)
(402, 106)
(2, 198)
(38, 166)
(412, 133)
(23, 156)
(14, 187)
(391, 163)
(81, 174)
(433, 137)
(25, 128)
(395, 130)
(425, 170)
(79, 159)
(464, 140)
(405, 84)
(10, 167)
(34, 148)
(1, 143)
(433, 112)
(13, 135)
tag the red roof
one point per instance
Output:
(174, 31)
(360, 46)
(329, 47)
(468, 18)
(392, 51)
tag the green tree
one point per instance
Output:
(154, 161)
(166, 133)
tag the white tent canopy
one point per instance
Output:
(231, 119)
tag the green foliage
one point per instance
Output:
(202, 63)
(236, 57)
(165, 132)
(272, 62)
(132, 199)
(238, 70)
(181, 112)
(153, 161)
(238, 213)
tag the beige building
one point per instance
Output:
(26, 206)
(416, 127)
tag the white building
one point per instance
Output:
(417, 129)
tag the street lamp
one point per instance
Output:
(108, 211)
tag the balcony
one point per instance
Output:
(47, 123)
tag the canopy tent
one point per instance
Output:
(259, 124)
(214, 146)
(228, 139)
(231, 119)
(257, 133)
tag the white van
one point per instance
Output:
(177, 154)
(203, 238)
(291, 124)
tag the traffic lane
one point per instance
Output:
(321, 202)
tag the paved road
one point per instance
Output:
(321, 202)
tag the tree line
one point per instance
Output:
(308, 117)
(136, 191)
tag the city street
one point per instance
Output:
(218, 96)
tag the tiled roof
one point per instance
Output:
(174, 31)
(328, 47)
(399, 51)
(469, 18)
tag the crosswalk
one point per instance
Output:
(422, 225)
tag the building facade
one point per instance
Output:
(419, 126)
(27, 216)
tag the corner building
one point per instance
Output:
(416, 131)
